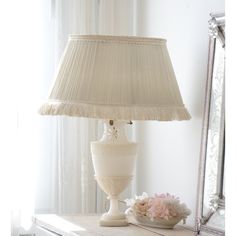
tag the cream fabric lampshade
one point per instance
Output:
(116, 77)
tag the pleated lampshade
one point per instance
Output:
(116, 77)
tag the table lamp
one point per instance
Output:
(116, 79)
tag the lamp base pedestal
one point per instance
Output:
(110, 220)
(113, 185)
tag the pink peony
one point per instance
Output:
(162, 208)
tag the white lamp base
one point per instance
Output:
(111, 223)
(113, 185)
(111, 219)
(113, 160)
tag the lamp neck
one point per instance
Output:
(114, 132)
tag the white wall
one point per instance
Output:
(169, 151)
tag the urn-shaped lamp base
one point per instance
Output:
(113, 160)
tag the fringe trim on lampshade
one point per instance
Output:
(115, 112)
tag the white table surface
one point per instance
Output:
(87, 225)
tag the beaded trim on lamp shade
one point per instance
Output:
(116, 77)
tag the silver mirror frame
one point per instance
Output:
(216, 32)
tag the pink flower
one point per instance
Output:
(164, 206)
(161, 206)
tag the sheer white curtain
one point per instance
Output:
(45, 161)
(67, 185)
(20, 74)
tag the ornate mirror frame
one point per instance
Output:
(211, 199)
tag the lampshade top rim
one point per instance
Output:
(110, 38)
